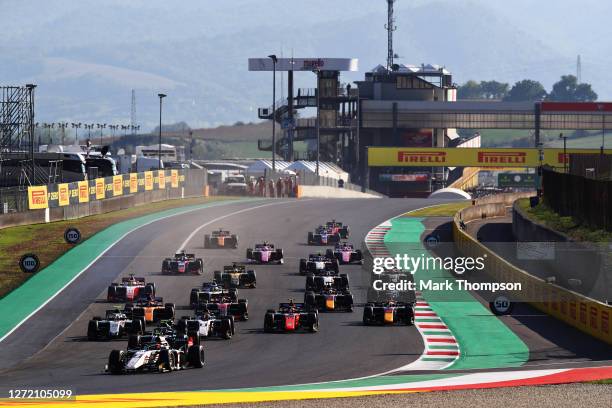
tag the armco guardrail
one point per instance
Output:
(581, 312)
(64, 201)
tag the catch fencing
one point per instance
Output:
(585, 199)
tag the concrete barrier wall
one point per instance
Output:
(330, 192)
(581, 312)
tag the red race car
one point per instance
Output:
(130, 289)
(291, 317)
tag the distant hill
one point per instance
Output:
(86, 56)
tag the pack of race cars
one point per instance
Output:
(158, 341)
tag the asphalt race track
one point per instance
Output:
(50, 350)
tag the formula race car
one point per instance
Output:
(114, 326)
(318, 264)
(130, 289)
(337, 228)
(224, 306)
(345, 253)
(220, 239)
(291, 317)
(156, 353)
(234, 276)
(183, 263)
(323, 236)
(391, 312)
(265, 253)
(206, 325)
(320, 282)
(330, 300)
(151, 310)
(210, 291)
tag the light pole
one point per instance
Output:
(564, 151)
(30, 88)
(76, 127)
(161, 97)
(274, 61)
(62, 125)
(317, 72)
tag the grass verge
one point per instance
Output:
(442, 210)
(47, 240)
(566, 225)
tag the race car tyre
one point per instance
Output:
(226, 329)
(200, 266)
(206, 241)
(115, 361)
(310, 238)
(165, 268)
(302, 266)
(181, 325)
(249, 253)
(133, 342)
(314, 326)
(344, 232)
(136, 327)
(252, 278)
(235, 241)
(112, 293)
(166, 361)
(329, 253)
(169, 310)
(344, 279)
(269, 322)
(335, 265)
(92, 330)
(368, 314)
(309, 299)
(195, 356)
(310, 284)
(233, 294)
(218, 277)
(149, 290)
(193, 297)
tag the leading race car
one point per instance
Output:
(130, 289)
(235, 276)
(265, 253)
(291, 317)
(318, 264)
(114, 326)
(157, 353)
(183, 263)
(345, 253)
(317, 283)
(330, 300)
(220, 239)
(388, 313)
(338, 228)
(206, 325)
(208, 292)
(323, 236)
(151, 310)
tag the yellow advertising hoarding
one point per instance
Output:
(100, 191)
(174, 178)
(117, 185)
(63, 194)
(37, 197)
(148, 180)
(133, 183)
(467, 157)
(83, 191)
(161, 177)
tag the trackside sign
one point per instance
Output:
(468, 157)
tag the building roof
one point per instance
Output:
(417, 69)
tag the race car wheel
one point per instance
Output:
(169, 310)
(226, 329)
(133, 342)
(195, 356)
(310, 238)
(302, 266)
(329, 253)
(136, 327)
(166, 361)
(115, 361)
(269, 322)
(309, 299)
(249, 253)
(92, 330)
(235, 241)
(111, 294)
(165, 268)
(314, 327)
(367, 315)
(199, 267)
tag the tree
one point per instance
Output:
(569, 90)
(526, 91)
(469, 90)
(494, 89)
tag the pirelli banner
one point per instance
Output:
(64, 194)
(468, 157)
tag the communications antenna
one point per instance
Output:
(133, 111)
(390, 26)
(578, 69)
